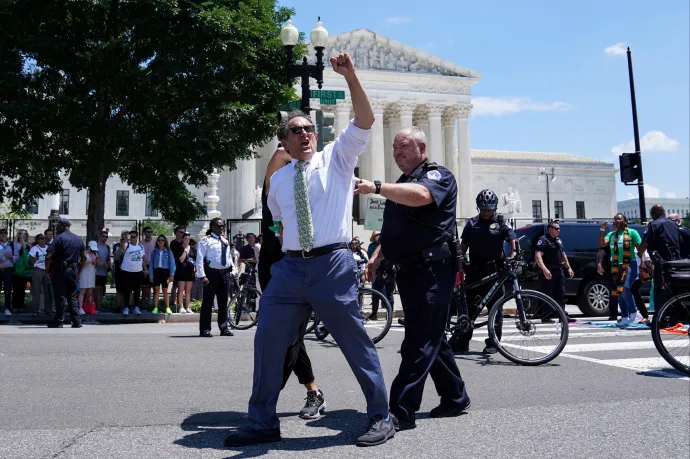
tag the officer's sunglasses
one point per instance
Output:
(557, 228)
(298, 129)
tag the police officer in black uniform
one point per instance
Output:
(484, 236)
(664, 238)
(62, 266)
(417, 235)
(551, 259)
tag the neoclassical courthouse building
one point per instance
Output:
(406, 86)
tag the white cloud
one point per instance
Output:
(649, 192)
(671, 195)
(619, 49)
(651, 141)
(499, 106)
(396, 20)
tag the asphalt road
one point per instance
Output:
(155, 390)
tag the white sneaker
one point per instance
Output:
(7, 312)
(182, 311)
(125, 312)
(636, 318)
(137, 311)
(82, 312)
(189, 311)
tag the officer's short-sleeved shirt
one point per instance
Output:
(552, 249)
(66, 247)
(635, 240)
(664, 236)
(402, 234)
(485, 238)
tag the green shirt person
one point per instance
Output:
(616, 244)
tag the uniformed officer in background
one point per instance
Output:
(417, 235)
(483, 236)
(551, 259)
(214, 266)
(62, 266)
(665, 238)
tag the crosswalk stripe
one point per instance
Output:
(610, 346)
(578, 335)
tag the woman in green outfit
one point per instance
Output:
(622, 243)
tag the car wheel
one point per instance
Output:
(594, 300)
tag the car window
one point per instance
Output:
(580, 238)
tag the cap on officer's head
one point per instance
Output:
(64, 221)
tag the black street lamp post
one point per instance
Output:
(289, 36)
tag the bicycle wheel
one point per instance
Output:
(243, 309)
(670, 332)
(546, 325)
(320, 329)
(377, 326)
(311, 323)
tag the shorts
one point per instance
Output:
(101, 281)
(160, 277)
(120, 281)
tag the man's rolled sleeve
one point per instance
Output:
(348, 146)
(200, 254)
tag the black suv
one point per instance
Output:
(587, 289)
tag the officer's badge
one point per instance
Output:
(559, 242)
(493, 226)
(434, 175)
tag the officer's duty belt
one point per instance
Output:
(218, 271)
(317, 252)
(415, 262)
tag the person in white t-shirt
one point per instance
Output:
(132, 269)
(39, 282)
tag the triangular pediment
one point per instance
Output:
(374, 51)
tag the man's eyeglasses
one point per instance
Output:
(298, 129)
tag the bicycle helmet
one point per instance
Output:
(487, 200)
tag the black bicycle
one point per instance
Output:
(671, 322)
(244, 305)
(515, 320)
(376, 323)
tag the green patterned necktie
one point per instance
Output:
(304, 223)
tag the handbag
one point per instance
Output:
(22, 267)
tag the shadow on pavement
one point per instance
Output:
(208, 430)
(665, 373)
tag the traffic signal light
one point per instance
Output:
(325, 128)
(631, 167)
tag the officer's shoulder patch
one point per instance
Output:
(541, 241)
(433, 175)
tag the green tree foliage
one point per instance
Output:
(158, 226)
(158, 92)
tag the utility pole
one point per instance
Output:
(549, 177)
(638, 153)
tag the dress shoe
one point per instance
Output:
(401, 424)
(76, 325)
(226, 332)
(248, 436)
(443, 411)
(206, 334)
(55, 325)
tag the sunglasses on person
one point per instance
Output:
(161, 240)
(557, 228)
(298, 129)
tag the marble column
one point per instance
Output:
(449, 119)
(265, 153)
(372, 164)
(434, 150)
(394, 125)
(466, 205)
(342, 114)
(243, 184)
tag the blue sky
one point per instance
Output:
(554, 73)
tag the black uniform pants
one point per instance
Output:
(217, 288)
(384, 283)
(554, 287)
(474, 273)
(65, 290)
(425, 295)
(296, 358)
(639, 301)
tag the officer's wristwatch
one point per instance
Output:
(377, 183)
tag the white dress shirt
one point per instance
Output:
(330, 180)
(211, 248)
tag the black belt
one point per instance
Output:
(219, 271)
(317, 252)
(414, 262)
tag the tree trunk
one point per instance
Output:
(95, 219)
